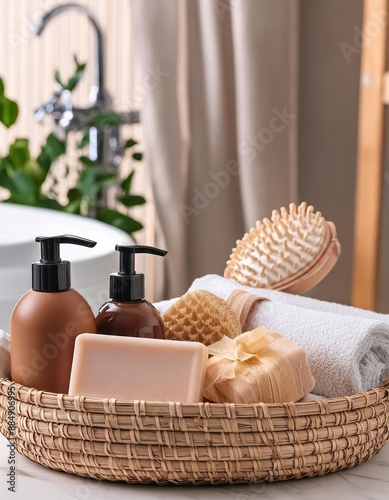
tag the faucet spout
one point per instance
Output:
(38, 25)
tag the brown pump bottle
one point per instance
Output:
(127, 313)
(46, 321)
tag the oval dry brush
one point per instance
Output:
(292, 252)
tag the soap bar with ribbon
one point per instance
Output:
(257, 366)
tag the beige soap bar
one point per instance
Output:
(257, 366)
(108, 366)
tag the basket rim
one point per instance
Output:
(45, 399)
(164, 442)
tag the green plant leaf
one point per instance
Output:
(57, 78)
(132, 200)
(8, 111)
(118, 220)
(74, 201)
(137, 156)
(74, 194)
(19, 153)
(87, 183)
(74, 80)
(106, 180)
(105, 118)
(130, 143)
(126, 184)
(50, 152)
(34, 171)
(87, 161)
(79, 66)
(5, 180)
(46, 202)
(22, 188)
(55, 146)
(84, 141)
(91, 182)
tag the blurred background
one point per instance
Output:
(207, 77)
(27, 66)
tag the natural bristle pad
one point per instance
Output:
(200, 316)
(277, 252)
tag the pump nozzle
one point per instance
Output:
(51, 274)
(127, 256)
(127, 285)
(50, 245)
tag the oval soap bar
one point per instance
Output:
(110, 366)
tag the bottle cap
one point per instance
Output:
(127, 285)
(51, 274)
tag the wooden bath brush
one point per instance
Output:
(292, 252)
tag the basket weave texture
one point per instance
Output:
(194, 443)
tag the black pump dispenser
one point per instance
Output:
(127, 285)
(51, 274)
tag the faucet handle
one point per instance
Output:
(66, 108)
(60, 107)
(130, 117)
(49, 107)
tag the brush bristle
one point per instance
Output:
(200, 316)
(276, 249)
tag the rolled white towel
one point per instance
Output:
(5, 366)
(223, 287)
(164, 305)
(348, 349)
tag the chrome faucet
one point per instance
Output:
(104, 144)
(38, 25)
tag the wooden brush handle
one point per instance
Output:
(318, 269)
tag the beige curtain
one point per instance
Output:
(219, 110)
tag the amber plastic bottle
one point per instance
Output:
(127, 313)
(46, 321)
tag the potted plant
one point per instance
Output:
(23, 176)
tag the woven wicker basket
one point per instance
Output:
(194, 443)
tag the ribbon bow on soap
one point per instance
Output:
(246, 346)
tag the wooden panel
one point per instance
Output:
(370, 156)
(385, 89)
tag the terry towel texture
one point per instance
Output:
(347, 348)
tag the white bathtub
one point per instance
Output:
(90, 267)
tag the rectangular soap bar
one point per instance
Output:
(257, 366)
(108, 366)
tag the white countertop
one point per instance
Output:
(34, 482)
